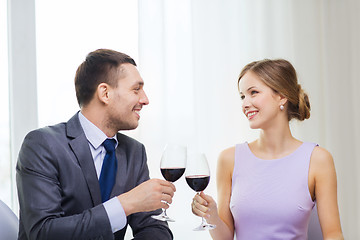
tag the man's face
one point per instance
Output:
(127, 99)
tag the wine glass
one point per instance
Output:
(198, 177)
(172, 167)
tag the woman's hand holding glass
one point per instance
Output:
(204, 206)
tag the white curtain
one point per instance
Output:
(190, 54)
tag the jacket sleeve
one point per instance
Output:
(41, 196)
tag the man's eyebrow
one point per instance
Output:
(139, 83)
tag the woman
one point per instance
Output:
(268, 187)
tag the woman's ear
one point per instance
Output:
(103, 92)
(282, 99)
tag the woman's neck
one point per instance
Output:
(275, 143)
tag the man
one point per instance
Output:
(71, 185)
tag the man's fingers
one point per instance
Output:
(164, 205)
(167, 184)
(168, 191)
(167, 198)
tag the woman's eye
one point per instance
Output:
(242, 97)
(254, 92)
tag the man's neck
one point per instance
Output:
(97, 117)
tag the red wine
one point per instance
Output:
(198, 182)
(172, 174)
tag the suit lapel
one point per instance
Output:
(80, 147)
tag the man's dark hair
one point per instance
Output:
(100, 66)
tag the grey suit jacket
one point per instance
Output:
(59, 192)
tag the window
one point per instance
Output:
(66, 31)
(5, 163)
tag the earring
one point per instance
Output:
(281, 107)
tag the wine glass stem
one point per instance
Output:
(203, 221)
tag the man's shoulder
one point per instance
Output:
(48, 130)
(58, 130)
(40, 142)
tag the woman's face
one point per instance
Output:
(261, 105)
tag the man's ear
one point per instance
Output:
(103, 93)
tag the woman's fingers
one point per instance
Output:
(199, 206)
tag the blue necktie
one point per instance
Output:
(108, 170)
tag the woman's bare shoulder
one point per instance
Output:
(321, 156)
(227, 155)
(226, 160)
(322, 161)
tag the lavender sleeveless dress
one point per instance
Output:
(270, 199)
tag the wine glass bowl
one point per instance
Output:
(172, 167)
(172, 174)
(198, 183)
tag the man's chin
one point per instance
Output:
(129, 127)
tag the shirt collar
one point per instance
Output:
(93, 134)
